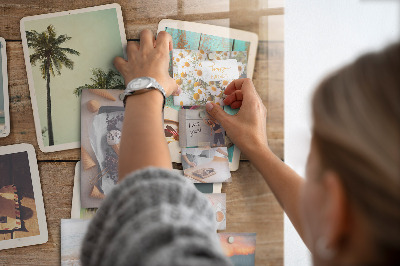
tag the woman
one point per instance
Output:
(346, 211)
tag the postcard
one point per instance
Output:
(22, 215)
(4, 104)
(64, 52)
(218, 201)
(72, 234)
(240, 248)
(204, 76)
(206, 165)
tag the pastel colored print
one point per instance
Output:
(198, 73)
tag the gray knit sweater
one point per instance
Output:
(153, 217)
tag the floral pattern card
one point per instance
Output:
(203, 76)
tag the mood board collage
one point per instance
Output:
(204, 60)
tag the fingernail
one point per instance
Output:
(209, 106)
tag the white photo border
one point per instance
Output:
(6, 131)
(72, 145)
(37, 192)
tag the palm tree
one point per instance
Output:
(51, 57)
(102, 80)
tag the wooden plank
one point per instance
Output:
(184, 39)
(137, 14)
(251, 207)
(210, 43)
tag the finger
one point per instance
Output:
(163, 41)
(217, 113)
(131, 48)
(235, 96)
(146, 40)
(245, 85)
(236, 105)
(119, 63)
(171, 87)
(177, 92)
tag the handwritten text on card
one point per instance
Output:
(219, 70)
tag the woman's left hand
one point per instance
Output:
(149, 59)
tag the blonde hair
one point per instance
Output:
(356, 114)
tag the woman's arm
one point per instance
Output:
(142, 142)
(154, 216)
(247, 130)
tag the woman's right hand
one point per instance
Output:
(246, 129)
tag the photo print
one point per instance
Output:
(198, 129)
(240, 248)
(218, 201)
(102, 117)
(73, 232)
(171, 131)
(206, 165)
(22, 215)
(62, 57)
(4, 104)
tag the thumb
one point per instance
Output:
(217, 112)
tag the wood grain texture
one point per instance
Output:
(251, 207)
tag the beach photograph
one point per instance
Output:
(72, 234)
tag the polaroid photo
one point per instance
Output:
(206, 165)
(218, 201)
(198, 129)
(4, 102)
(74, 59)
(240, 248)
(22, 215)
(73, 232)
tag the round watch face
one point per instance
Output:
(140, 83)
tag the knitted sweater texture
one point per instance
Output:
(154, 217)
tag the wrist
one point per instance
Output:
(258, 151)
(146, 99)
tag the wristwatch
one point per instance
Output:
(140, 85)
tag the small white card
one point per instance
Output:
(219, 70)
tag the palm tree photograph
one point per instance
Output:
(66, 52)
(51, 57)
